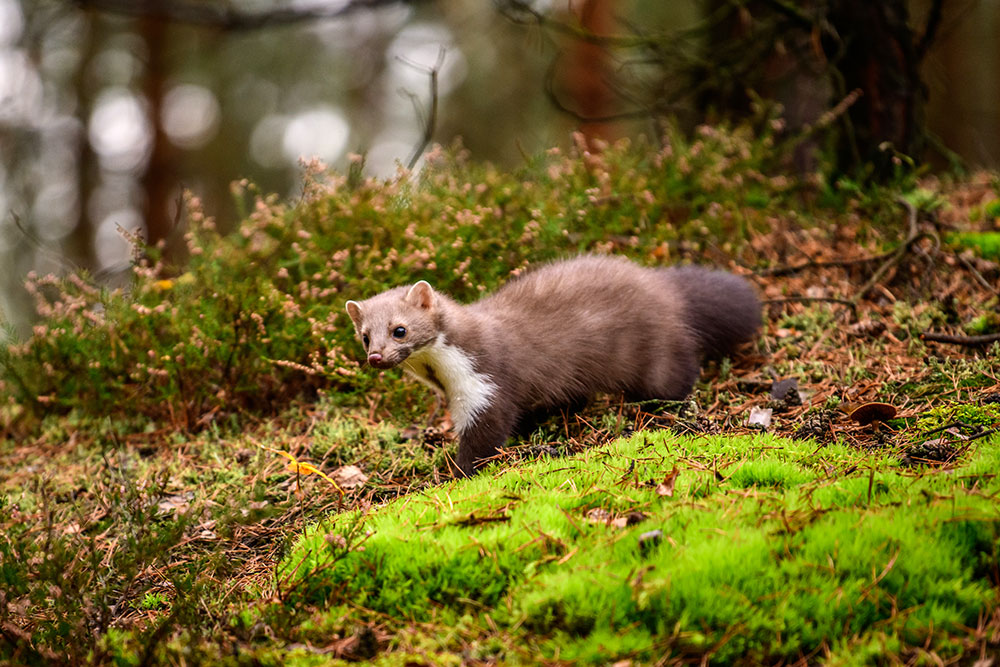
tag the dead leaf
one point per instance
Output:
(177, 504)
(599, 515)
(301, 468)
(634, 517)
(666, 487)
(866, 328)
(349, 477)
(629, 519)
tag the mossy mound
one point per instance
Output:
(743, 549)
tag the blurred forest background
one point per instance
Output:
(110, 108)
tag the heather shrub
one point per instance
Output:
(253, 318)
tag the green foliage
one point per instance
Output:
(986, 415)
(72, 583)
(769, 551)
(108, 531)
(991, 211)
(152, 601)
(985, 323)
(915, 319)
(984, 244)
(343, 439)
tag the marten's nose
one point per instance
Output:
(374, 358)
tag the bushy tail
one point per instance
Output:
(723, 308)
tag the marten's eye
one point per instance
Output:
(364, 340)
(399, 332)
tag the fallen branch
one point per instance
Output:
(944, 428)
(970, 341)
(983, 434)
(888, 259)
(913, 236)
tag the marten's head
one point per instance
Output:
(396, 323)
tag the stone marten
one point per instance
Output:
(556, 335)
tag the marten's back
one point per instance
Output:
(568, 329)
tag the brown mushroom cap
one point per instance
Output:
(868, 413)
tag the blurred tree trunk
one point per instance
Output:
(877, 54)
(756, 51)
(79, 244)
(809, 56)
(158, 183)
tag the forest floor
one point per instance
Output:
(762, 521)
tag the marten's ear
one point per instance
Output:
(421, 295)
(354, 310)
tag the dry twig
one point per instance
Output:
(912, 237)
(969, 341)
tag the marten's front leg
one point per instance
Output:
(481, 439)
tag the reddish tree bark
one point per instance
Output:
(587, 72)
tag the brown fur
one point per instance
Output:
(562, 332)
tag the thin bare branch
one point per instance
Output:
(430, 120)
(522, 12)
(554, 98)
(930, 29)
(226, 17)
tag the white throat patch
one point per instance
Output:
(467, 391)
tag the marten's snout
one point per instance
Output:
(377, 360)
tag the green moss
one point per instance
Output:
(991, 211)
(791, 551)
(984, 244)
(985, 323)
(986, 415)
